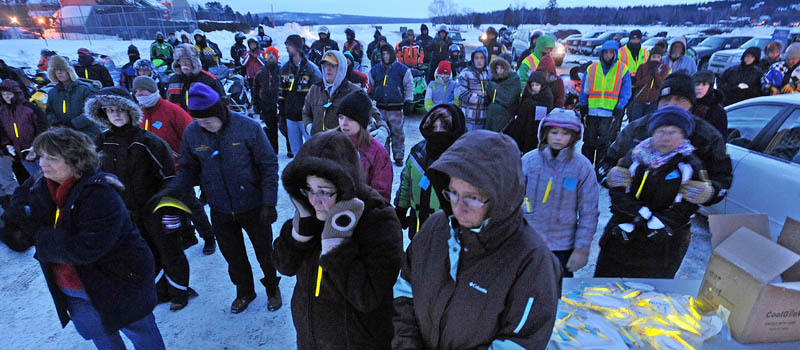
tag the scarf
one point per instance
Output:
(645, 153)
(149, 100)
(60, 192)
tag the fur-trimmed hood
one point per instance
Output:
(186, 51)
(58, 62)
(329, 155)
(94, 107)
(499, 62)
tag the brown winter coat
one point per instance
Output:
(649, 77)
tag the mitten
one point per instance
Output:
(698, 192)
(342, 219)
(618, 177)
(788, 89)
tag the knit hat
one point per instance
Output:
(635, 34)
(561, 118)
(133, 50)
(272, 49)
(145, 83)
(295, 40)
(704, 76)
(793, 51)
(678, 84)
(443, 68)
(203, 101)
(671, 115)
(356, 106)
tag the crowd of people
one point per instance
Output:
(498, 201)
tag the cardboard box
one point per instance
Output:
(742, 275)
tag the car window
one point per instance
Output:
(745, 123)
(786, 142)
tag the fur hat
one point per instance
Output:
(356, 106)
(59, 62)
(112, 97)
(499, 61)
(186, 51)
(671, 115)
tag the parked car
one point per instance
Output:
(574, 44)
(588, 45)
(522, 42)
(722, 60)
(650, 43)
(702, 52)
(764, 146)
(622, 42)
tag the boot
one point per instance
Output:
(183, 300)
(241, 303)
(274, 300)
(210, 246)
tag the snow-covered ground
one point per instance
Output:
(29, 320)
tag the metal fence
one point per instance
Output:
(125, 22)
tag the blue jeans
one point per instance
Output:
(144, 333)
(297, 134)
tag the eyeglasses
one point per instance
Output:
(321, 195)
(470, 201)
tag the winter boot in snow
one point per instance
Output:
(183, 300)
(274, 300)
(241, 303)
(210, 246)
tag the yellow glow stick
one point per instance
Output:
(319, 280)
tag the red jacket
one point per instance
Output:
(168, 121)
(377, 167)
(252, 61)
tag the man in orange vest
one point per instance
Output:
(633, 54)
(605, 91)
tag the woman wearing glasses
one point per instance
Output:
(344, 244)
(476, 275)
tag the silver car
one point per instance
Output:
(764, 146)
(724, 59)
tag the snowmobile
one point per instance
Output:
(236, 88)
(420, 85)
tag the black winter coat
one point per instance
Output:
(141, 160)
(709, 146)
(354, 307)
(320, 47)
(178, 86)
(95, 235)
(266, 86)
(95, 71)
(235, 167)
(295, 83)
(506, 286)
(524, 129)
(710, 108)
(439, 51)
(733, 76)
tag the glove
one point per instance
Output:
(618, 113)
(170, 223)
(743, 86)
(343, 218)
(618, 177)
(771, 90)
(577, 259)
(788, 89)
(268, 214)
(584, 110)
(408, 108)
(402, 214)
(11, 150)
(698, 192)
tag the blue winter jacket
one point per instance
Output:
(388, 88)
(97, 236)
(624, 92)
(235, 167)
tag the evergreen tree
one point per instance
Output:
(551, 15)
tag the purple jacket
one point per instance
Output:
(28, 123)
(377, 167)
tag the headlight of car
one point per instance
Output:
(560, 50)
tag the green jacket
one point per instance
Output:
(542, 44)
(414, 185)
(503, 103)
(65, 107)
(161, 50)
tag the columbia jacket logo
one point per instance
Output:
(478, 288)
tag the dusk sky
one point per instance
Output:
(404, 8)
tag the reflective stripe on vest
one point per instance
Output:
(625, 54)
(532, 61)
(604, 89)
